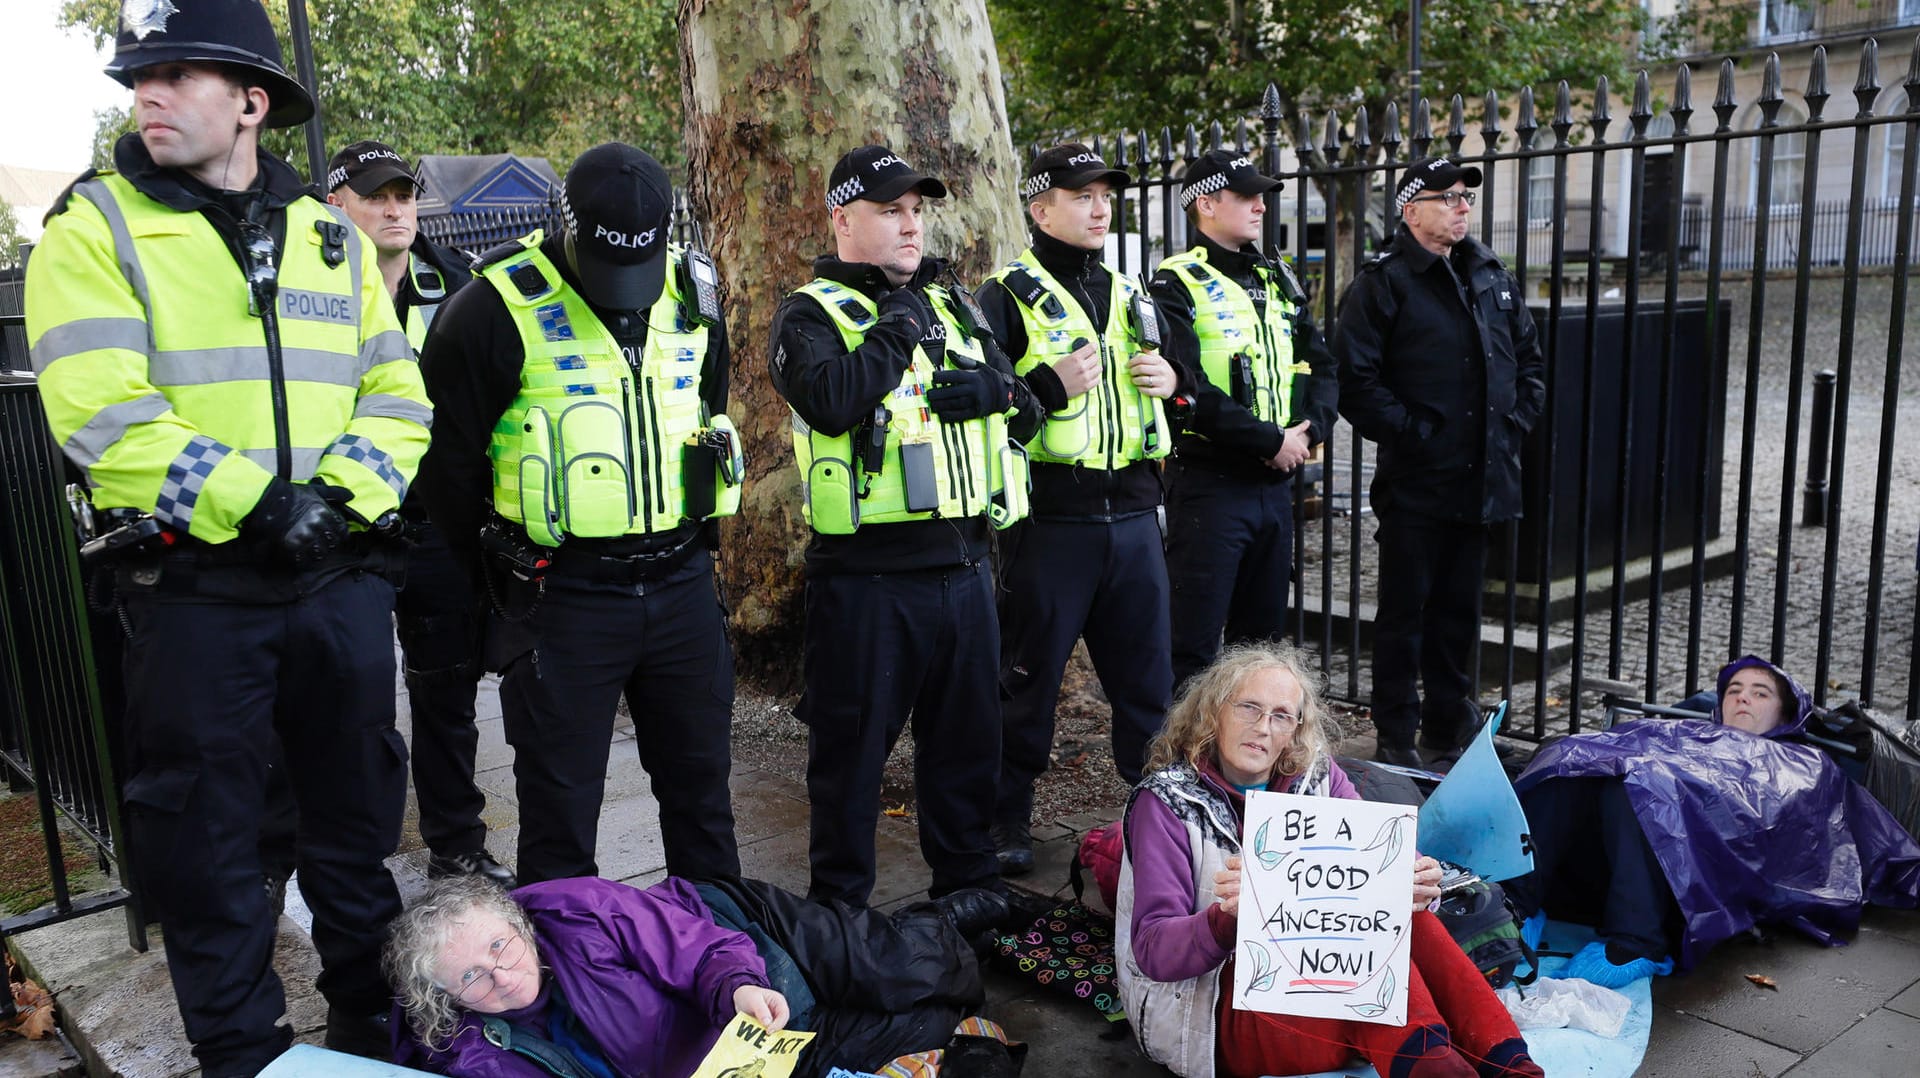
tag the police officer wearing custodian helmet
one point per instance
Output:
(582, 454)
(215, 350)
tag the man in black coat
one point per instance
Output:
(1440, 365)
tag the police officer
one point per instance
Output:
(439, 614)
(1439, 364)
(584, 443)
(192, 313)
(1089, 560)
(903, 412)
(1260, 387)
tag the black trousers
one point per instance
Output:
(1229, 560)
(663, 646)
(883, 648)
(1063, 580)
(439, 619)
(882, 985)
(1592, 864)
(209, 683)
(1426, 626)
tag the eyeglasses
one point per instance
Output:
(477, 982)
(1251, 715)
(1451, 198)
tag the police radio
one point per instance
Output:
(1146, 323)
(700, 283)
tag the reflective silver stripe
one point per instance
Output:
(109, 425)
(97, 192)
(388, 406)
(305, 461)
(385, 347)
(87, 335)
(361, 448)
(214, 366)
(180, 490)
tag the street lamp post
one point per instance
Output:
(302, 36)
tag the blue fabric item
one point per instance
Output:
(1258, 787)
(1576, 1053)
(1474, 817)
(1747, 829)
(572, 1038)
(1591, 964)
(1532, 927)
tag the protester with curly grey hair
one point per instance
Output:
(1253, 721)
(587, 976)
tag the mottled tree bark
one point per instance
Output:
(775, 92)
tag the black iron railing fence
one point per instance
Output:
(1614, 601)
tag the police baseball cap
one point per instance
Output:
(231, 32)
(367, 166)
(1432, 174)
(877, 174)
(617, 203)
(1070, 166)
(1218, 169)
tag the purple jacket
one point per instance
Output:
(648, 973)
(1747, 829)
(1170, 941)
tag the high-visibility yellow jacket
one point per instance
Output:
(159, 381)
(1228, 325)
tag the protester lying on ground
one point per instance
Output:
(1253, 721)
(586, 976)
(1671, 835)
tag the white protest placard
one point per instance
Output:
(1326, 908)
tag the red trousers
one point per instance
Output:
(1455, 1026)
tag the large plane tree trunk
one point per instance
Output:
(775, 92)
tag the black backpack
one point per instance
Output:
(1483, 923)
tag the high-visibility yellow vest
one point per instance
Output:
(157, 375)
(431, 286)
(593, 447)
(1113, 424)
(1228, 324)
(930, 468)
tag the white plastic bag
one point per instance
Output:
(1552, 1004)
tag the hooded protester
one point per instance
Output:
(1705, 829)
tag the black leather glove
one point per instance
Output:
(908, 305)
(961, 395)
(296, 523)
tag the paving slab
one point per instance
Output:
(1064, 1036)
(1683, 1046)
(1822, 990)
(48, 1057)
(1882, 1043)
(1907, 1002)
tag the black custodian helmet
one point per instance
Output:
(232, 32)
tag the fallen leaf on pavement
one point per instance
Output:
(34, 1005)
(897, 810)
(1761, 980)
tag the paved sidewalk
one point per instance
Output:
(1847, 1011)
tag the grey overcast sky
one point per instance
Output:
(50, 87)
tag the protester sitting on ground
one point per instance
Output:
(589, 977)
(1704, 829)
(1253, 721)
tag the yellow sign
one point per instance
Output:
(747, 1049)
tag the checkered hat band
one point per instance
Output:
(1033, 185)
(1203, 187)
(1410, 187)
(566, 213)
(337, 177)
(845, 193)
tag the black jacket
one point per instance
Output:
(1440, 364)
(455, 274)
(471, 364)
(1236, 443)
(1069, 491)
(833, 389)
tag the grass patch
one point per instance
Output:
(25, 883)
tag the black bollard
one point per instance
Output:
(1813, 512)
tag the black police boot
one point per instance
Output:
(369, 1035)
(1398, 755)
(471, 864)
(972, 910)
(1013, 836)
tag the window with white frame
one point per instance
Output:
(1540, 194)
(1785, 19)
(1895, 157)
(1789, 160)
